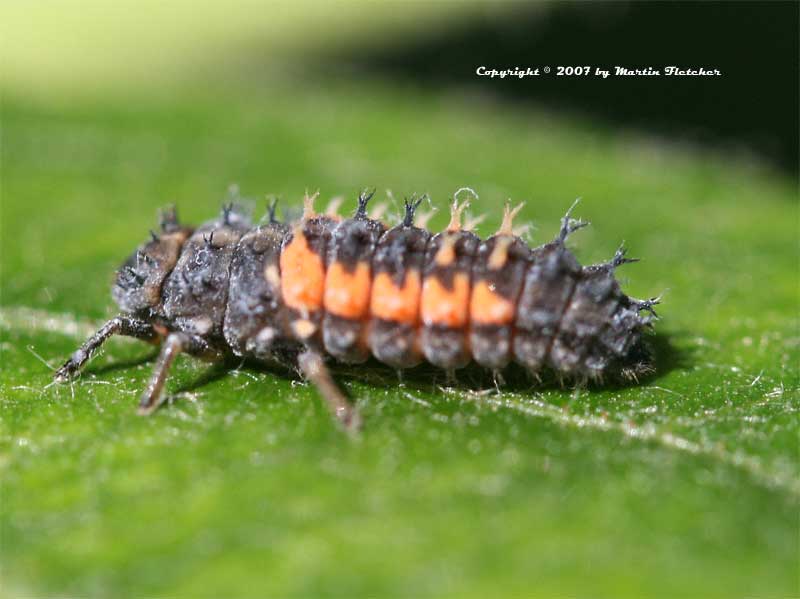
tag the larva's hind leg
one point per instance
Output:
(498, 380)
(120, 325)
(175, 344)
(313, 367)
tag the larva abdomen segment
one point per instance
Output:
(444, 305)
(397, 266)
(498, 275)
(547, 290)
(302, 270)
(348, 288)
(593, 302)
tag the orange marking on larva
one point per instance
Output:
(489, 307)
(394, 303)
(442, 306)
(455, 215)
(302, 275)
(499, 255)
(446, 254)
(507, 227)
(347, 294)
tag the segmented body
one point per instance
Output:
(354, 288)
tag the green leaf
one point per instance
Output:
(686, 483)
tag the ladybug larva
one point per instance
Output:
(347, 289)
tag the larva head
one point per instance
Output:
(137, 287)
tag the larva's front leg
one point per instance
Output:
(176, 343)
(120, 325)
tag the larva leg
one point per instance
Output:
(498, 380)
(120, 325)
(313, 367)
(175, 344)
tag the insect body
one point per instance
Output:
(353, 288)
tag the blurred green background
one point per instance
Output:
(686, 484)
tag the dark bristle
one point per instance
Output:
(271, 210)
(363, 199)
(619, 258)
(569, 225)
(647, 305)
(411, 208)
